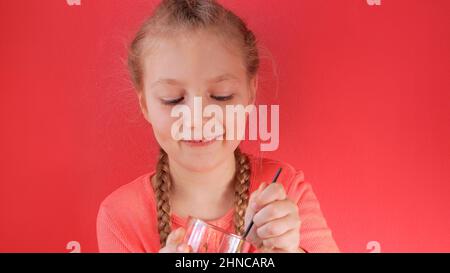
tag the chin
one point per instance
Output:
(202, 157)
(200, 163)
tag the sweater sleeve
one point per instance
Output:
(110, 237)
(315, 236)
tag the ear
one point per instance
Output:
(253, 89)
(143, 105)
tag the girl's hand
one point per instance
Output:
(276, 225)
(174, 242)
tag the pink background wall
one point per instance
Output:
(364, 95)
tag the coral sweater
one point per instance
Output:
(127, 222)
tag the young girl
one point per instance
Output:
(197, 48)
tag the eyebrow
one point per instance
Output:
(217, 79)
(166, 81)
(223, 77)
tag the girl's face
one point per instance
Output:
(179, 68)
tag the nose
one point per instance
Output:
(198, 119)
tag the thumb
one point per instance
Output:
(176, 236)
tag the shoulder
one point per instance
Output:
(129, 199)
(263, 170)
(125, 219)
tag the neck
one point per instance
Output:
(218, 182)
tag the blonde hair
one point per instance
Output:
(172, 15)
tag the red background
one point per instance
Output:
(364, 94)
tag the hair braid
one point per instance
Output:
(242, 185)
(162, 188)
(163, 184)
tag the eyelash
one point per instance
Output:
(173, 102)
(180, 99)
(222, 98)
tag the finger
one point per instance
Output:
(275, 250)
(274, 210)
(167, 249)
(287, 241)
(278, 227)
(183, 248)
(271, 193)
(176, 248)
(175, 236)
(250, 211)
(173, 240)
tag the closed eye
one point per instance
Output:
(222, 98)
(172, 101)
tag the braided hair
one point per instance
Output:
(163, 183)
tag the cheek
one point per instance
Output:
(161, 121)
(162, 125)
(235, 123)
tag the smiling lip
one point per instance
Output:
(199, 143)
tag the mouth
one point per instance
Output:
(201, 142)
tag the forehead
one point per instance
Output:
(199, 55)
